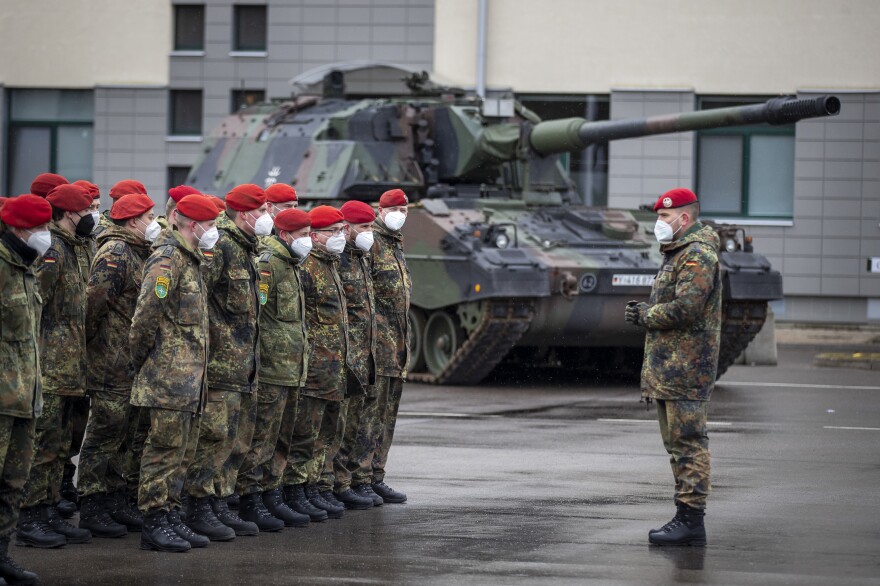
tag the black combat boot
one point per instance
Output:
(328, 496)
(157, 534)
(275, 504)
(186, 505)
(195, 539)
(366, 491)
(233, 502)
(295, 498)
(230, 519)
(69, 503)
(201, 519)
(251, 508)
(11, 572)
(94, 517)
(34, 531)
(685, 528)
(351, 500)
(333, 511)
(388, 494)
(121, 510)
(59, 525)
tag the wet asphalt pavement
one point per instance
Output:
(541, 477)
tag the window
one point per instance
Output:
(249, 28)
(49, 131)
(189, 27)
(176, 176)
(745, 171)
(186, 113)
(589, 167)
(246, 98)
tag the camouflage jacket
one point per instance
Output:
(62, 273)
(326, 326)
(112, 292)
(684, 320)
(283, 347)
(233, 306)
(20, 394)
(393, 287)
(104, 223)
(354, 272)
(169, 330)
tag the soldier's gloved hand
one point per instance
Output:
(635, 313)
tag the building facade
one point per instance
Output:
(139, 103)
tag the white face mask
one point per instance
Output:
(395, 220)
(263, 225)
(209, 238)
(336, 244)
(40, 241)
(152, 231)
(663, 231)
(302, 246)
(364, 240)
(96, 217)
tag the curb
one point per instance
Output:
(862, 360)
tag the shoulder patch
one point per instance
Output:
(118, 249)
(265, 256)
(161, 287)
(264, 293)
(167, 250)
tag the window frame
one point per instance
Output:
(236, 19)
(172, 111)
(169, 171)
(187, 48)
(233, 102)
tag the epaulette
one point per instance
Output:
(166, 250)
(265, 256)
(118, 249)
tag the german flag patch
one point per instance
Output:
(691, 263)
(112, 265)
(48, 260)
(266, 273)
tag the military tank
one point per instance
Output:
(506, 264)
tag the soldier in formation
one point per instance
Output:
(683, 323)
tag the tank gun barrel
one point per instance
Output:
(573, 134)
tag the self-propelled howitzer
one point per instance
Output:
(505, 261)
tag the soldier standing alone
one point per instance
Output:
(683, 323)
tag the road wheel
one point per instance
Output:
(416, 340)
(441, 342)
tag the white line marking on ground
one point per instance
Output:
(447, 415)
(799, 385)
(610, 420)
(851, 428)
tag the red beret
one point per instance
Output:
(280, 193)
(292, 220)
(246, 197)
(357, 212)
(198, 207)
(45, 182)
(675, 198)
(395, 197)
(131, 206)
(70, 197)
(93, 189)
(3, 201)
(179, 192)
(221, 205)
(125, 187)
(26, 211)
(323, 216)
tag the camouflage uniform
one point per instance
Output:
(321, 400)
(62, 274)
(169, 353)
(353, 462)
(393, 287)
(20, 397)
(683, 319)
(112, 292)
(227, 426)
(283, 357)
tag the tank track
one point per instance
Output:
(501, 325)
(740, 323)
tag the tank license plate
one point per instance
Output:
(632, 280)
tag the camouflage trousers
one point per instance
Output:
(126, 465)
(390, 389)
(225, 434)
(313, 431)
(274, 470)
(78, 420)
(16, 455)
(106, 449)
(329, 445)
(683, 429)
(271, 404)
(168, 451)
(51, 450)
(353, 462)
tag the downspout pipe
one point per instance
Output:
(481, 48)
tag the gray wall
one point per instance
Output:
(4, 146)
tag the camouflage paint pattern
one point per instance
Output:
(16, 455)
(392, 285)
(271, 404)
(683, 429)
(683, 320)
(169, 448)
(20, 322)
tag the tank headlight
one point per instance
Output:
(730, 245)
(502, 241)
